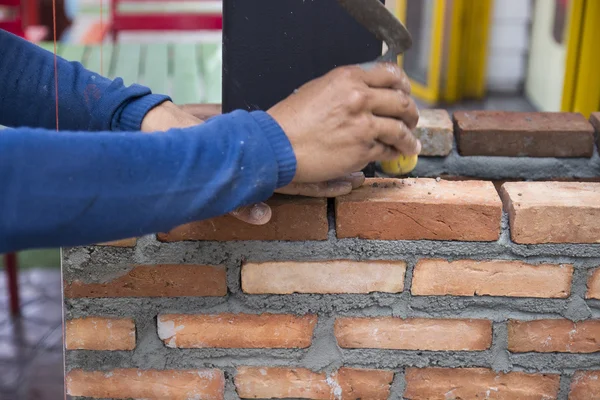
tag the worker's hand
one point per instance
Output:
(260, 214)
(334, 188)
(168, 115)
(349, 117)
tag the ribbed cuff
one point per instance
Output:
(134, 112)
(284, 154)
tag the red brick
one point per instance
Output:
(554, 336)
(156, 281)
(326, 277)
(478, 383)
(517, 134)
(595, 120)
(553, 212)
(594, 285)
(206, 384)
(585, 385)
(293, 219)
(268, 383)
(120, 243)
(435, 131)
(236, 330)
(491, 278)
(420, 209)
(97, 333)
(414, 334)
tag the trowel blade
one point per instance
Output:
(374, 16)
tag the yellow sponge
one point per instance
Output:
(400, 166)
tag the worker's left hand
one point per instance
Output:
(168, 116)
(260, 213)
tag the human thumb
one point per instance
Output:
(255, 214)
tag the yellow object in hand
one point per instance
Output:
(400, 166)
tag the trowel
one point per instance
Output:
(377, 19)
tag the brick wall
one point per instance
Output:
(405, 289)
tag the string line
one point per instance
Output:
(55, 61)
(101, 36)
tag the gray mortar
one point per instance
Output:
(565, 385)
(527, 168)
(324, 353)
(500, 356)
(398, 386)
(102, 264)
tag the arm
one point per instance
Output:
(87, 101)
(110, 185)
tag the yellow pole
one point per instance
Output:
(454, 83)
(587, 92)
(574, 33)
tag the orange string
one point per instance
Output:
(55, 39)
(55, 61)
(101, 36)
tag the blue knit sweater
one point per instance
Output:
(101, 179)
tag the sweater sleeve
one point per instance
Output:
(87, 101)
(78, 188)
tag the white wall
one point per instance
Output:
(509, 45)
(547, 62)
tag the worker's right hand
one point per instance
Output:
(340, 122)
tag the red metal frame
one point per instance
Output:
(15, 24)
(31, 16)
(166, 21)
(12, 282)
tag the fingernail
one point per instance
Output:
(358, 174)
(258, 212)
(419, 147)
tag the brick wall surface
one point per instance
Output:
(425, 288)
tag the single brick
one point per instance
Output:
(293, 219)
(236, 330)
(157, 281)
(554, 336)
(97, 333)
(326, 277)
(518, 134)
(120, 243)
(594, 285)
(287, 383)
(420, 209)
(585, 385)
(553, 212)
(595, 120)
(437, 277)
(206, 384)
(435, 131)
(413, 334)
(478, 383)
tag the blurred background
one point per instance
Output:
(519, 55)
